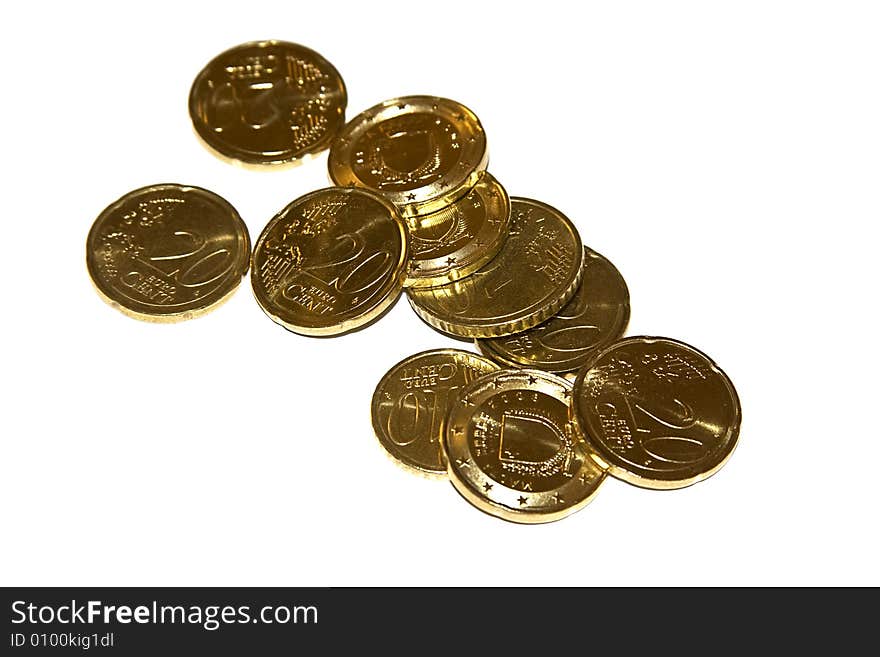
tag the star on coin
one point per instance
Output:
(410, 197)
(522, 500)
(402, 106)
(463, 463)
(558, 498)
(487, 487)
(585, 479)
(450, 260)
(532, 379)
(414, 266)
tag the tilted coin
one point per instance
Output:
(657, 413)
(421, 152)
(167, 253)
(461, 238)
(268, 102)
(412, 400)
(330, 262)
(515, 452)
(536, 272)
(596, 315)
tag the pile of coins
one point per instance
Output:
(528, 430)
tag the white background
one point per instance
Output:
(724, 155)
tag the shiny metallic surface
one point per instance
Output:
(330, 262)
(515, 452)
(536, 272)
(657, 413)
(268, 102)
(596, 316)
(168, 252)
(412, 400)
(420, 152)
(456, 241)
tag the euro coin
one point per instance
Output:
(167, 253)
(420, 152)
(456, 241)
(536, 272)
(657, 413)
(412, 400)
(596, 316)
(330, 262)
(515, 452)
(268, 102)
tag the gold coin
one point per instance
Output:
(596, 316)
(167, 253)
(412, 400)
(514, 450)
(420, 152)
(456, 241)
(267, 102)
(330, 262)
(657, 413)
(534, 275)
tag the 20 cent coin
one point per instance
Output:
(330, 262)
(168, 252)
(657, 413)
(596, 316)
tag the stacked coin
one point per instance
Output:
(528, 430)
(428, 156)
(526, 445)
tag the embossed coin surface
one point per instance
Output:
(533, 276)
(514, 450)
(461, 238)
(597, 315)
(420, 152)
(657, 413)
(167, 252)
(330, 262)
(412, 400)
(268, 102)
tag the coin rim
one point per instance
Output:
(605, 458)
(250, 158)
(473, 258)
(428, 199)
(178, 315)
(490, 351)
(384, 439)
(532, 515)
(394, 285)
(490, 329)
